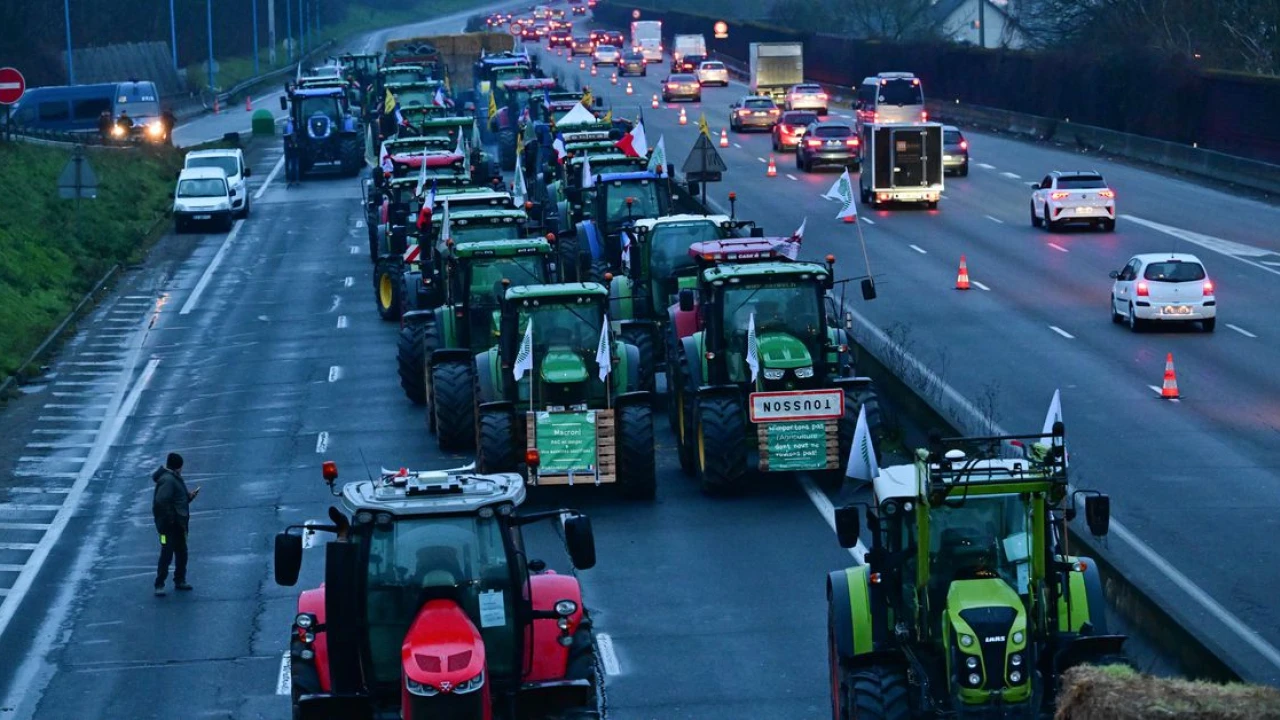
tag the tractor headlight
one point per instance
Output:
(1016, 660)
(471, 685)
(975, 679)
(1018, 637)
(307, 654)
(966, 640)
(971, 662)
(565, 608)
(304, 620)
(421, 689)
(1015, 677)
(773, 373)
(804, 372)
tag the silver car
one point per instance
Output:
(606, 55)
(713, 72)
(808, 96)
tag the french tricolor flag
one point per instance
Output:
(561, 153)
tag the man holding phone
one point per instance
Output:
(172, 511)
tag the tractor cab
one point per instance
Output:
(431, 607)
(403, 73)
(968, 587)
(568, 193)
(414, 93)
(326, 130)
(619, 200)
(362, 66)
(476, 270)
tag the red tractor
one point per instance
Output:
(431, 608)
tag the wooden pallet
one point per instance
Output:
(606, 453)
(833, 444)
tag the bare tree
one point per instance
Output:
(892, 19)
(1254, 28)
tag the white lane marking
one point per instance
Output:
(762, 160)
(335, 372)
(43, 458)
(994, 219)
(793, 177)
(1241, 330)
(213, 267)
(828, 513)
(1011, 176)
(23, 526)
(284, 680)
(919, 249)
(40, 490)
(1272, 263)
(359, 224)
(985, 166)
(16, 546)
(342, 321)
(322, 442)
(337, 300)
(348, 281)
(737, 146)
(608, 657)
(355, 249)
(1058, 247)
(59, 446)
(10, 568)
(980, 286)
(1234, 250)
(1062, 332)
(272, 176)
(868, 220)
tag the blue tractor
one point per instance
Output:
(327, 130)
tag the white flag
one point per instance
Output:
(842, 190)
(627, 240)
(604, 355)
(753, 348)
(862, 455)
(385, 162)
(524, 358)
(850, 210)
(658, 160)
(422, 176)
(1053, 416)
(519, 190)
(460, 149)
(446, 228)
(588, 180)
(790, 247)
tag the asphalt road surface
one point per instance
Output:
(258, 354)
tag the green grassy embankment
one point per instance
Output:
(50, 253)
(359, 20)
(1118, 693)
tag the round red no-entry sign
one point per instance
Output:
(12, 85)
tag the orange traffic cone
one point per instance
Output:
(594, 72)
(850, 219)
(629, 91)
(772, 169)
(655, 99)
(582, 65)
(216, 109)
(568, 58)
(614, 78)
(684, 120)
(724, 138)
(248, 103)
(1170, 389)
(962, 280)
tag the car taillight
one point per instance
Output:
(822, 96)
(1108, 194)
(924, 116)
(1208, 288)
(1143, 290)
(1059, 195)
(774, 111)
(784, 129)
(964, 144)
(813, 143)
(851, 142)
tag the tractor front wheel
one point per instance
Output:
(635, 455)
(454, 405)
(875, 693)
(386, 289)
(597, 271)
(351, 151)
(497, 451)
(411, 364)
(642, 338)
(507, 149)
(722, 462)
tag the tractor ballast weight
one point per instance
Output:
(968, 556)
(326, 130)
(402, 628)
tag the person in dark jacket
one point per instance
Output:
(171, 508)
(105, 123)
(168, 120)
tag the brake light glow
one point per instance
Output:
(1058, 195)
(813, 143)
(1108, 194)
(924, 116)
(851, 142)
(1143, 290)
(964, 144)
(784, 129)
(774, 111)
(1208, 288)
(822, 96)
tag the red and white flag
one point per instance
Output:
(634, 144)
(791, 246)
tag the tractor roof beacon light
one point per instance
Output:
(733, 205)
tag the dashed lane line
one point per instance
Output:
(342, 321)
(1011, 176)
(1241, 330)
(1159, 391)
(994, 219)
(348, 281)
(608, 656)
(272, 176)
(980, 286)
(793, 177)
(985, 166)
(919, 249)
(355, 249)
(190, 304)
(737, 146)
(284, 682)
(322, 442)
(868, 220)
(1058, 247)
(335, 373)
(1062, 332)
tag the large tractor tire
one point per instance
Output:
(430, 342)
(498, 440)
(411, 362)
(303, 680)
(642, 338)
(854, 400)
(636, 459)
(878, 692)
(507, 149)
(454, 406)
(598, 268)
(722, 459)
(386, 288)
(680, 409)
(351, 153)
(567, 260)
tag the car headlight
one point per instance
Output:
(471, 685)
(565, 608)
(420, 689)
(773, 373)
(804, 372)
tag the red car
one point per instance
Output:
(791, 128)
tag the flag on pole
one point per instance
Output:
(850, 210)
(422, 176)
(446, 227)
(608, 116)
(658, 160)
(518, 188)
(1054, 416)
(634, 144)
(790, 246)
(388, 103)
(439, 100)
(428, 206)
(842, 190)
(753, 348)
(627, 240)
(558, 146)
(862, 454)
(385, 163)
(524, 358)
(702, 125)
(460, 149)
(588, 179)
(604, 354)
(586, 98)
(493, 107)
(475, 136)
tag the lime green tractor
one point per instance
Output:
(554, 396)
(969, 603)
(763, 375)
(438, 346)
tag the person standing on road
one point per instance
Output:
(167, 121)
(171, 508)
(292, 167)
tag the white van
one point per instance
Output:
(890, 97)
(231, 160)
(203, 195)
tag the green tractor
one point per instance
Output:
(797, 409)
(618, 200)
(567, 200)
(969, 603)
(541, 402)
(438, 346)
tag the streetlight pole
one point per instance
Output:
(302, 28)
(255, 38)
(173, 35)
(271, 32)
(209, 24)
(982, 24)
(71, 69)
(288, 25)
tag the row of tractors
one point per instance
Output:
(541, 326)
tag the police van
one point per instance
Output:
(78, 108)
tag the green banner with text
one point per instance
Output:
(566, 442)
(790, 446)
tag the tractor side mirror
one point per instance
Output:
(686, 300)
(284, 103)
(1097, 513)
(693, 188)
(580, 541)
(288, 561)
(848, 526)
(868, 289)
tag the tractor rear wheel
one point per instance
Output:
(351, 152)
(411, 363)
(430, 342)
(878, 692)
(635, 456)
(497, 451)
(507, 149)
(386, 288)
(642, 338)
(854, 400)
(722, 461)
(454, 405)
(568, 257)
(597, 271)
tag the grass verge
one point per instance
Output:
(51, 254)
(360, 19)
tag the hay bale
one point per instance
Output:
(1119, 693)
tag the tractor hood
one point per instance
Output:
(990, 622)
(562, 366)
(782, 351)
(443, 650)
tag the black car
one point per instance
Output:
(632, 63)
(828, 143)
(582, 45)
(528, 34)
(955, 151)
(560, 38)
(612, 37)
(681, 86)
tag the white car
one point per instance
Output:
(231, 161)
(808, 96)
(713, 72)
(202, 196)
(1163, 288)
(1073, 197)
(606, 55)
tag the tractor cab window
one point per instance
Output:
(572, 324)
(457, 557)
(472, 232)
(985, 536)
(669, 245)
(326, 106)
(414, 98)
(487, 276)
(513, 72)
(645, 201)
(780, 309)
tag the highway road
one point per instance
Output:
(258, 354)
